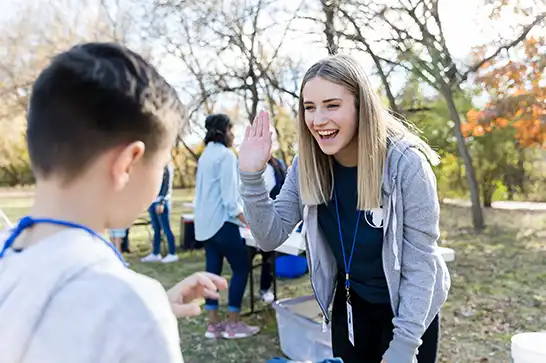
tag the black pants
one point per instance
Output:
(125, 242)
(266, 277)
(373, 331)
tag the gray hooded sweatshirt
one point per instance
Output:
(416, 274)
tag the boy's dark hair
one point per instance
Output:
(92, 98)
(217, 126)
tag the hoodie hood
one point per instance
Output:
(395, 151)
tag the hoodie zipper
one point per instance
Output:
(385, 227)
(326, 320)
(324, 314)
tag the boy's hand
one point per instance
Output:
(198, 285)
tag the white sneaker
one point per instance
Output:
(267, 296)
(151, 258)
(170, 258)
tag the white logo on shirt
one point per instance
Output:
(374, 217)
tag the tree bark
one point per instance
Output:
(473, 186)
(521, 177)
(488, 192)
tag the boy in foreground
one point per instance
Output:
(101, 124)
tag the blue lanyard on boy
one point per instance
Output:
(27, 222)
(350, 261)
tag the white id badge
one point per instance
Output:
(350, 323)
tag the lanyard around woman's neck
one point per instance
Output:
(347, 263)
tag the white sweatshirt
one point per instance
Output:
(70, 299)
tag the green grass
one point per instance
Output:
(498, 282)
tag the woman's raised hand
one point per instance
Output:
(255, 150)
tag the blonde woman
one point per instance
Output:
(364, 188)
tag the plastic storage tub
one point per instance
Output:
(299, 322)
(529, 348)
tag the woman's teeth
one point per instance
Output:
(327, 134)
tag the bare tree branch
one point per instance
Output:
(376, 60)
(539, 19)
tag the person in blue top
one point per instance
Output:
(218, 216)
(160, 213)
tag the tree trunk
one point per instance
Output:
(488, 196)
(510, 191)
(521, 177)
(477, 213)
(488, 187)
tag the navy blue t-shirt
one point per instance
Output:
(366, 273)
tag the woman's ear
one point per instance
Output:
(124, 163)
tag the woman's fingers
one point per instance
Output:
(265, 123)
(254, 126)
(260, 126)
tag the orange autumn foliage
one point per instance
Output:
(518, 97)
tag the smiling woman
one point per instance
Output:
(366, 194)
(330, 116)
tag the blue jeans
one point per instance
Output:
(162, 222)
(228, 243)
(117, 233)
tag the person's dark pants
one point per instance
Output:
(266, 276)
(162, 222)
(228, 243)
(373, 331)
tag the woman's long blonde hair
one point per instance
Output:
(375, 125)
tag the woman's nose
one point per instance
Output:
(320, 119)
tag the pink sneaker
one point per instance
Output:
(239, 331)
(214, 331)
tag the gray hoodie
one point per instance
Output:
(417, 276)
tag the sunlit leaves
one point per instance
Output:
(518, 96)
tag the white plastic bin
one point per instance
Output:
(300, 330)
(529, 348)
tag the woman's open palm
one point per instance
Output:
(255, 149)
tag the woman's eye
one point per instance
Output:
(332, 106)
(309, 108)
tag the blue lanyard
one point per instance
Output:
(345, 262)
(27, 222)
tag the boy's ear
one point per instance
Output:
(125, 162)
